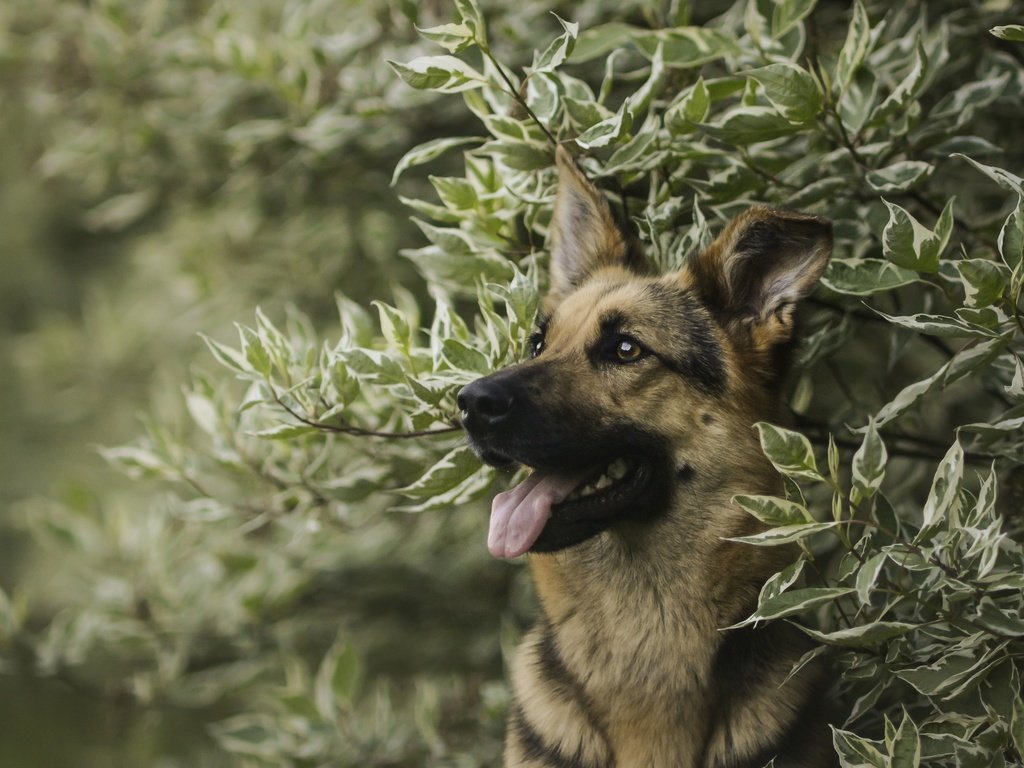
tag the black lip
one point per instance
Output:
(573, 522)
(645, 496)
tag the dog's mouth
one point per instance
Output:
(551, 510)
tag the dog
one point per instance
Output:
(635, 412)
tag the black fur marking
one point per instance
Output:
(535, 748)
(684, 473)
(565, 684)
(699, 356)
(807, 739)
(744, 658)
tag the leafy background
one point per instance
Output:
(263, 545)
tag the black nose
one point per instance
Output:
(484, 403)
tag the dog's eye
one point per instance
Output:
(535, 344)
(627, 350)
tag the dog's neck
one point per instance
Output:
(645, 605)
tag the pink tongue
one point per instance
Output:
(519, 514)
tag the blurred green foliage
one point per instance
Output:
(291, 570)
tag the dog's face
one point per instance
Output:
(639, 385)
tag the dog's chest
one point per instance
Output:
(640, 655)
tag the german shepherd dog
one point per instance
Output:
(635, 413)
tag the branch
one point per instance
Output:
(514, 93)
(348, 429)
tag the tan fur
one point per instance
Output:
(624, 669)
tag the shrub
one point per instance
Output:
(299, 508)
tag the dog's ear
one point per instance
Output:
(754, 273)
(584, 235)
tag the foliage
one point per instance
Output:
(297, 509)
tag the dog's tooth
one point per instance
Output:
(617, 469)
(603, 482)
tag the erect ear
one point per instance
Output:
(764, 262)
(584, 236)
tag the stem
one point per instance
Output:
(514, 93)
(347, 429)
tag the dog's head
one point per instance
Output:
(639, 385)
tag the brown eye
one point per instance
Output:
(628, 350)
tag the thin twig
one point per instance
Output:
(348, 429)
(514, 93)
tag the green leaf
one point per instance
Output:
(867, 635)
(855, 751)
(1017, 721)
(864, 277)
(1011, 236)
(795, 601)
(683, 47)
(444, 74)
(869, 463)
(968, 360)
(938, 325)
(748, 125)
(430, 150)
(285, 431)
(788, 13)
(984, 281)
(945, 674)
(337, 680)
(394, 326)
(256, 735)
(8, 617)
(909, 244)
(858, 40)
(1007, 622)
(470, 489)
(451, 470)
(453, 37)
(773, 510)
(519, 155)
(226, 356)
(465, 358)
(867, 576)
(560, 49)
(899, 176)
(786, 534)
(1012, 32)
(905, 745)
(907, 89)
(944, 495)
(608, 131)
(584, 114)
(203, 412)
(1002, 177)
(690, 107)
(470, 15)
(790, 452)
(790, 89)
(782, 580)
(136, 461)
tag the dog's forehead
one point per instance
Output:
(660, 305)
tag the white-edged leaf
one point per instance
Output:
(869, 463)
(430, 150)
(774, 510)
(444, 74)
(790, 89)
(945, 491)
(790, 452)
(451, 470)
